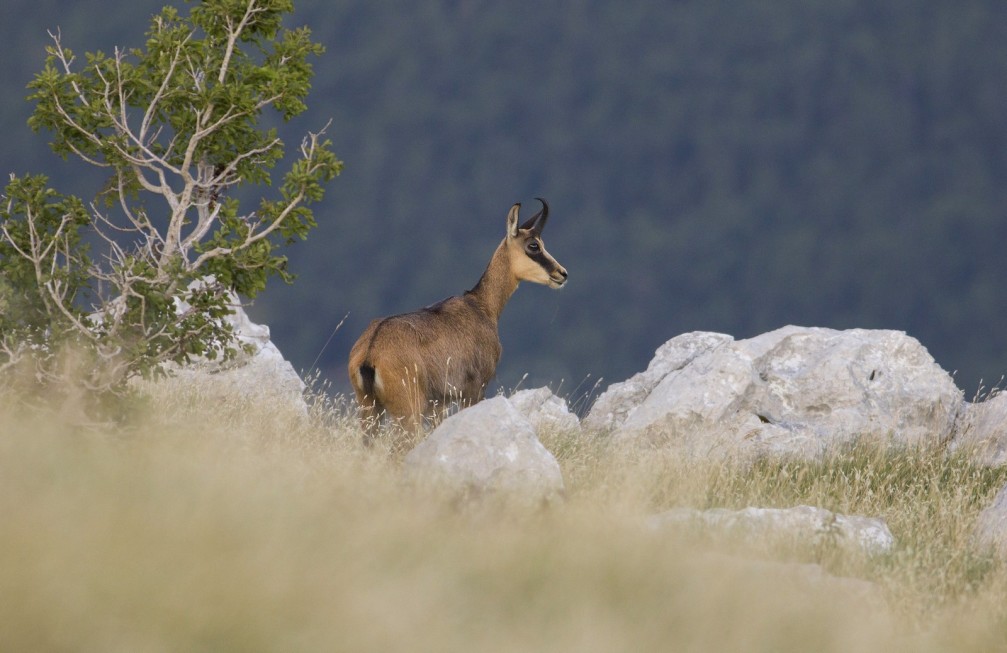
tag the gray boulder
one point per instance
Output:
(869, 534)
(614, 406)
(794, 391)
(488, 448)
(545, 411)
(982, 431)
(991, 526)
(260, 374)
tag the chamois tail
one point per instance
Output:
(367, 377)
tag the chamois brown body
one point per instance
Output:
(407, 366)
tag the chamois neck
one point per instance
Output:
(496, 285)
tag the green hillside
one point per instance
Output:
(728, 166)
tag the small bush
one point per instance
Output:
(176, 124)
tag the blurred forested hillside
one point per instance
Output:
(711, 165)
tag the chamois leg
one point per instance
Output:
(369, 411)
(400, 396)
(408, 433)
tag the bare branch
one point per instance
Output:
(68, 119)
(13, 243)
(152, 107)
(86, 158)
(67, 64)
(234, 33)
(53, 288)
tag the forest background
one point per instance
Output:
(711, 165)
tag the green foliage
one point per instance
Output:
(38, 225)
(178, 125)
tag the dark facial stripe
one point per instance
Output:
(547, 263)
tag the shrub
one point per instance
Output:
(177, 126)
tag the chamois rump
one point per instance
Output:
(408, 366)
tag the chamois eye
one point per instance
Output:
(533, 247)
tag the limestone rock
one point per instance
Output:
(794, 391)
(982, 431)
(612, 408)
(485, 449)
(870, 534)
(261, 374)
(544, 410)
(991, 526)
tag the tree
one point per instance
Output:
(178, 126)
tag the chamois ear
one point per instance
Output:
(536, 223)
(512, 220)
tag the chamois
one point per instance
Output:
(406, 366)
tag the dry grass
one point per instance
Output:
(243, 526)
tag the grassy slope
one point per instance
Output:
(241, 526)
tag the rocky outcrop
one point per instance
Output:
(794, 391)
(614, 406)
(260, 373)
(545, 411)
(488, 448)
(991, 526)
(981, 433)
(816, 525)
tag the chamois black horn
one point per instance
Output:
(537, 222)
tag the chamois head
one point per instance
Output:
(528, 258)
